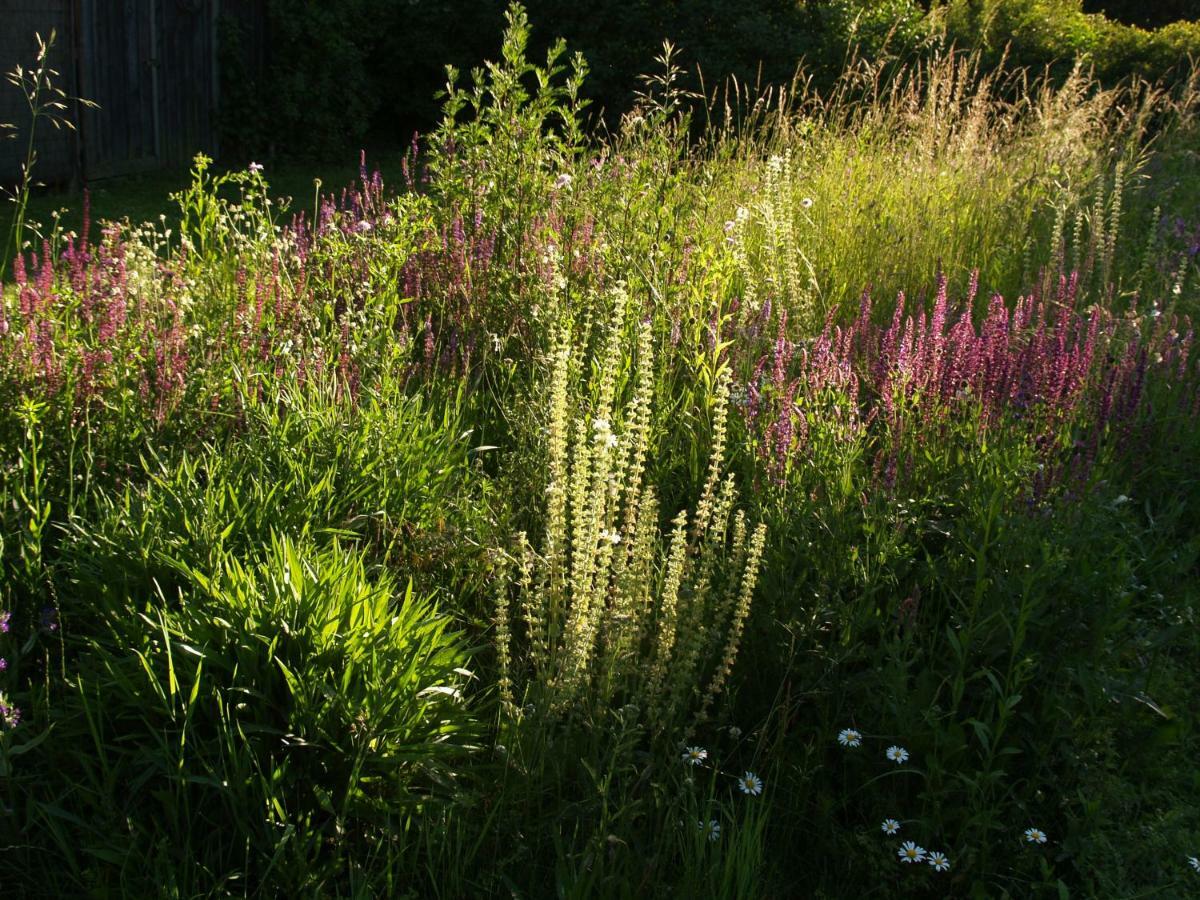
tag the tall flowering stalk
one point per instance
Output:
(1063, 377)
(613, 610)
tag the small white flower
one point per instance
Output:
(1035, 835)
(729, 225)
(563, 180)
(364, 225)
(255, 168)
(749, 783)
(897, 754)
(807, 202)
(909, 852)
(601, 426)
(735, 732)
(938, 860)
(695, 755)
(712, 830)
(850, 737)
(890, 827)
(610, 441)
(1194, 862)
(611, 536)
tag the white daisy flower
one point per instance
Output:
(695, 755)
(1035, 835)
(850, 737)
(938, 860)
(712, 830)
(897, 754)
(1194, 862)
(890, 826)
(749, 783)
(909, 852)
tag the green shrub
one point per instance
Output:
(275, 715)
(1054, 33)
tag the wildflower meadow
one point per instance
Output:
(779, 493)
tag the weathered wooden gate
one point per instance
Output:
(151, 65)
(20, 20)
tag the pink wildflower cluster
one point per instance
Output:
(1066, 377)
(82, 331)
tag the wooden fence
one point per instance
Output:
(20, 20)
(150, 65)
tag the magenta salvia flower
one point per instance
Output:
(10, 716)
(1043, 366)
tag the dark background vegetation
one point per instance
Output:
(307, 77)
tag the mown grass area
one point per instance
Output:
(700, 512)
(147, 197)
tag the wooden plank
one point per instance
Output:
(151, 65)
(186, 98)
